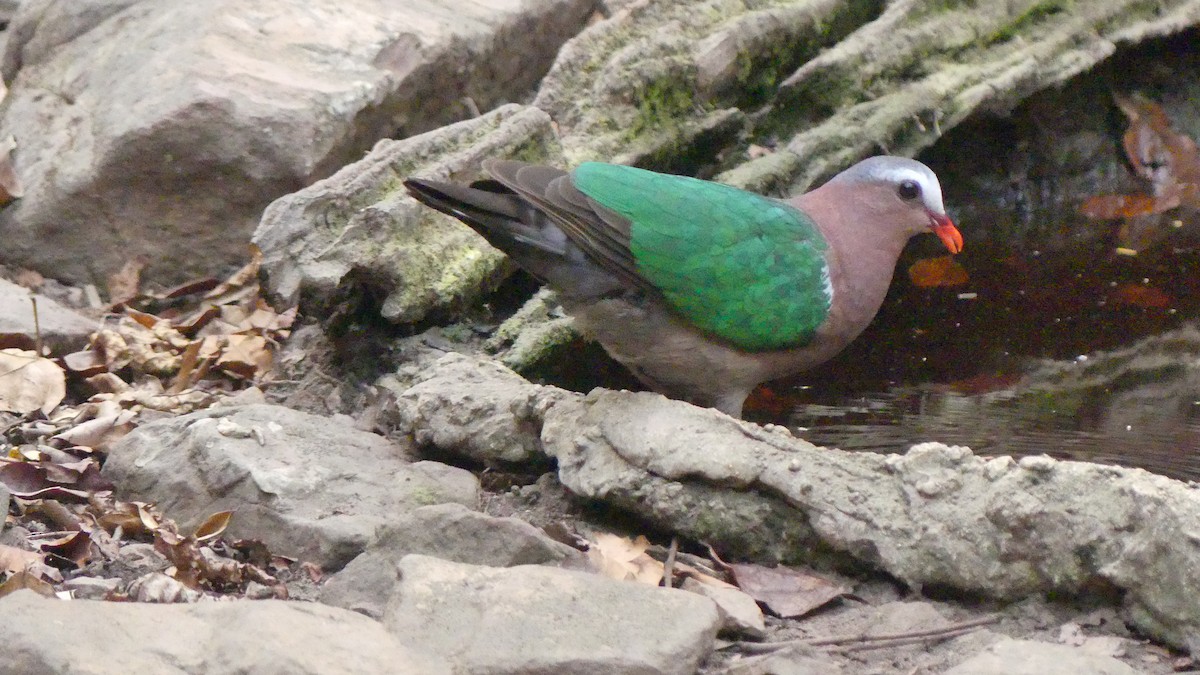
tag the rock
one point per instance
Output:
(358, 232)
(659, 75)
(854, 78)
(447, 531)
(536, 333)
(540, 619)
(495, 421)
(90, 588)
(936, 516)
(123, 154)
(794, 661)
(62, 329)
(1029, 657)
(206, 638)
(739, 612)
(307, 486)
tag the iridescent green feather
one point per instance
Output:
(742, 267)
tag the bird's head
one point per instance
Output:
(906, 194)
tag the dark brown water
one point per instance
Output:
(967, 365)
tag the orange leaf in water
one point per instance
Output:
(1142, 296)
(940, 271)
(1157, 152)
(1110, 207)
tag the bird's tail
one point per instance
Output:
(518, 228)
(483, 210)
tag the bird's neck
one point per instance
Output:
(861, 259)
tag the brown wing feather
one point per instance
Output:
(601, 233)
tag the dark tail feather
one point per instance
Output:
(516, 227)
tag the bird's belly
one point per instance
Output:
(674, 358)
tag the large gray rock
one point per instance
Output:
(937, 515)
(836, 80)
(164, 128)
(447, 531)
(308, 486)
(267, 637)
(62, 328)
(532, 619)
(358, 232)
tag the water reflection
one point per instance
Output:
(1159, 434)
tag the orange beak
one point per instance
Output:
(944, 228)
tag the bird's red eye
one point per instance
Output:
(909, 189)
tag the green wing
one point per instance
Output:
(748, 269)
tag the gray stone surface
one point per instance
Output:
(533, 619)
(447, 531)
(937, 515)
(1029, 657)
(164, 128)
(268, 637)
(358, 231)
(62, 328)
(739, 612)
(495, 421)
(838, 80)
(308, 486)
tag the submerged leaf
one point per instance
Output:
(941, 271)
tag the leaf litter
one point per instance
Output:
(157, 353)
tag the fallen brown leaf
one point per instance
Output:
(26, 579)
(786, 592)
(213, 526)
(74, 546)
(624, 559)
(246, 355)
(29, 382)
(13, 559)
(125, 284)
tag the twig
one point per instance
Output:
(712, 553)
(861, 641)
(668, 578)
(37, 328)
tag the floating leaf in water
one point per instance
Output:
(1141, 295)
(1111, 207)
(941, 271)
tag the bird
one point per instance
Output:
(703, 290)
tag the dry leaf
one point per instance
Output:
(26, 579)
(75, 546)
(784, 591)
(941, 271)
(13, 559)
(246, 355)
(86, 363)
(621, 558)
(29, 382)
(160, 588)
(124, 284)
(213, 526)
(102, 432)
